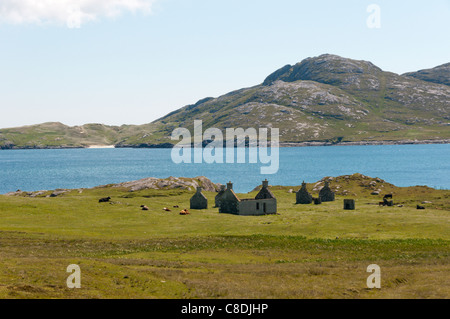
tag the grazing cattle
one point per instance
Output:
(184, 212)
(166, 209)
(176, 206)
(420, 207)
(387, 196)
(104, 200)
(386, 202)
(144, 207)
(381, 204)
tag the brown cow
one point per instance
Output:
(184, 212)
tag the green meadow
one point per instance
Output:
(305, 251)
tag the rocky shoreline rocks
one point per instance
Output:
(170, 183)
(361, 143)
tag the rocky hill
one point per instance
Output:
(439, 74)
(323, 100)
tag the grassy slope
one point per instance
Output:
(125, 252)
(59, 135)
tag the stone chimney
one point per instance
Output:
(229, 185)
(265, 184)
(199, 189)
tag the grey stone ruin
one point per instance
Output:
(229, 203)
(219, 195)
(199, 201)
(326, 194)
(349, 204)
(265, 192)
(264, 203)
(303, 197)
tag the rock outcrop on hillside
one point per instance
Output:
(183, 183)
(171, 183)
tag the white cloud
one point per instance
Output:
(72, 13)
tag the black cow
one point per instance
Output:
(104, 200)
(387, 196)
(420, 207)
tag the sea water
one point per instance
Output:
(401, 165)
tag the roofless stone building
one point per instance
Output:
(303, 197)
(199, 201)
(218, 197)
(264, 203)
(326, 194)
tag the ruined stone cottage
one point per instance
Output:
(303, 197)
(264, 203)
(326, 194)
(199, 201)
(218, 197)
(229, 204)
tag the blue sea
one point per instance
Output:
(402, 165)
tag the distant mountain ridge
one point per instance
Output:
(322, 100)
(439, 74)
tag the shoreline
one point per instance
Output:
(100, 146)
(364, 143)
(281, 144)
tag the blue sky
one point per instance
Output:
(122, 67)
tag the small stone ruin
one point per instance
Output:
(349, 204)
(303, 197)
(326, 194)
(199, 201)
(218, 197)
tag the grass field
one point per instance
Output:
(305, 251)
